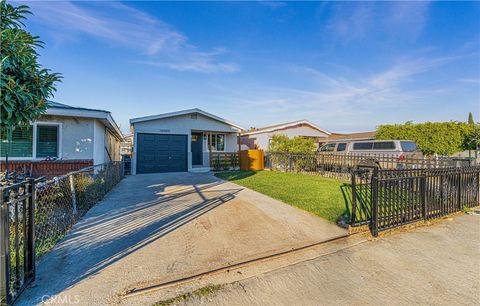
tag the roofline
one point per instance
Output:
(184, 112)
(86, 113)
(286, 125)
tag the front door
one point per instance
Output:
(197, 149)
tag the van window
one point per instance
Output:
(408, 146)
(363, 145)
(341, 147)
(384, 145)
(328, 147)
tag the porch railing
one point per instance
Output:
(224, 161)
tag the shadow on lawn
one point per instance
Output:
(363, 203)
(235, 175)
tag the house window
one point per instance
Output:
(47, 141)
(21, 144)
(217, 143)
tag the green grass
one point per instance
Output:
(184, 297)
(317, 195)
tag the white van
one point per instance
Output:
(380, 151)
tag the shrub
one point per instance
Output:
(443, 138)
(283, 144)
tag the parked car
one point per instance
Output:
(377, 151)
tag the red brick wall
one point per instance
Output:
(47, 168)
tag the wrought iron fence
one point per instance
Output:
(35, 216)
(389, 198)
(340, 165)
(17, 258)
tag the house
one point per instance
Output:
(64, 139)
(126, 145)
(351, 136)
(180, 141)
(260, 138)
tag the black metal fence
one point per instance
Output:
(35, 216)
(17, 257)
(389, 198)
(340, 165)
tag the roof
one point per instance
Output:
(352, 136)
(287, 125)
(185, 112)
(60, 109)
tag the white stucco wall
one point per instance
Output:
(76, 139)
(184, 125)
(262, 139)
(99, 138)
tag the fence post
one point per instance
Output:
(354, 198)
(423, 190)
(459, 192)
(4, 249)
(74, 197)
(30, 260)
(375, 202)
(289, 163)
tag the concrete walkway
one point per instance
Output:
(435, 265)
(159, 227)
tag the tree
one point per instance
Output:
(470, 118)
(25, 85)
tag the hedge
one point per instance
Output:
(443, 138)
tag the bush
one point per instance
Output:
(283, 144)
(443, 138)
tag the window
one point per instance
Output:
(408, 146)
(328, 147)
(21, 144)
(47, 141)
(384, 145)
(341, 147)
(363, 145)
(218, 142)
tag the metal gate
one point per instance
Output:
(386, 199)
(17, 239)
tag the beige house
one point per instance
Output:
(261, 138)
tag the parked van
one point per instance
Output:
(398, 149)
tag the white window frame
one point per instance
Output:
(224, 143)
(34, 139)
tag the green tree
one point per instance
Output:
(470, 118)
(25, 85)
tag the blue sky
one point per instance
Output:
(346, 66)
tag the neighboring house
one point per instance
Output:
(261, 138)
(126, 145)
(65, 138)
(350, 137)
(178, 141)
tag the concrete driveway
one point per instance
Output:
(155, 228)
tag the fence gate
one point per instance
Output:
(397, 201)
(17, 239)
(385, 199)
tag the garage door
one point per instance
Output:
(161, 153)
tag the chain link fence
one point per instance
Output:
(60, 202)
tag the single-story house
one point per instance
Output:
(351, 136)
(261, 138)
(179, 141)
(64, 139)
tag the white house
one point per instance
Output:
(178, 141)
(260, 138)
(65, 133)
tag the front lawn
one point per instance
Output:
(318, 195)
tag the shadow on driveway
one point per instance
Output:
(134, 214)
